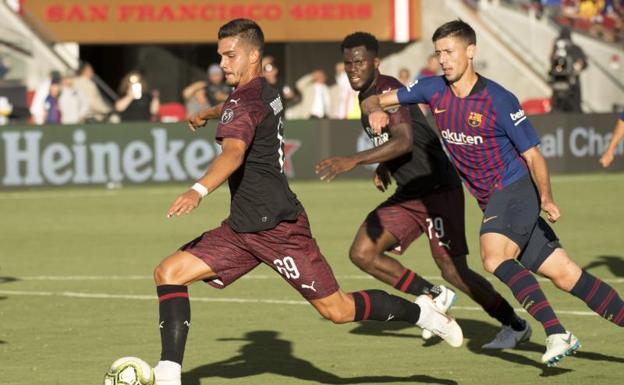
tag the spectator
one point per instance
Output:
(567, 61)
(430, 69)
(290, 95)
(73, 104)
(137, 102)
(405, 77)
(205, 93)
(346, 103)
(321, 100)
(4, 67)
(38, 104)
(51, 108)
(97, 109)
(5, 110)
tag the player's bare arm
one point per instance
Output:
(374, 107)
(618, 134)
(399, 144)
(541, 177)
(199, 118)
(230, 159)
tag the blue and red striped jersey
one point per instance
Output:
(484, 133)
(622, 115)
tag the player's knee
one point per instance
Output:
(491, 263)
(362, 256)
(164, 274)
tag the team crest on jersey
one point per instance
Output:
(227, 116)
(475, 119)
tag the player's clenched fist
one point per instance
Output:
(378, 120)
(382, 178)
(552, 211)
(195, 121)
(184, 203)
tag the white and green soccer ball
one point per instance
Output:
(129, 371)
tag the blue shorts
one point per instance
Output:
(514, 212)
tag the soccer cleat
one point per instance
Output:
(507, 338)
(168, 373)
(443, 301)
(558, 346)
(441, 325)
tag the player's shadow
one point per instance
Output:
(476, 334)
(614, 263)
(8, 279)
(265, 353)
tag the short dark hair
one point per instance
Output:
(456, 28)
(357, 39)
(246, 29)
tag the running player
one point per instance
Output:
(267, 223)
(618, 134)
(429, 200)
(494, 147)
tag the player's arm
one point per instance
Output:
(224, 165)
(541, 177)
(618, 134)
(399, 144)
(199, 118)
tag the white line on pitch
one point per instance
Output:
(252, 276)
(70, 294)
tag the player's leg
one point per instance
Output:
(212, 255)
(509, 223)
(368, 253)
(291, 251)
(446, 230)
(597, 295)
(377, 305)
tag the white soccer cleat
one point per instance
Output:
(444, 301)
(441, 325)
(168, 373)
(507, 338)
(558, 346)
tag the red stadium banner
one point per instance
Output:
(197, 21)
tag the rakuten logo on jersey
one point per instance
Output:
(460, 138)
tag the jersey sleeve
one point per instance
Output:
(420, 91)
(622, 115)
(239, 120)
(511, 118)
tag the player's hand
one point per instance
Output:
(195, 121)
(378, 120)
(184, 203)
(552, 211)
(382, 178)
(606, 159)
(328, 169)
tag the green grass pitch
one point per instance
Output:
(76, 294)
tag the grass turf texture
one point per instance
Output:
(76, 294)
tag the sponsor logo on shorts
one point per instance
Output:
(487, 219)
(310, 286)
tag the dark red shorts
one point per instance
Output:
(288, 248)
(439, 215)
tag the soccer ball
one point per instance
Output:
(129, 371)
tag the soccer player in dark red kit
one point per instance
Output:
(429, 200)
(267, 224)
(494, 147)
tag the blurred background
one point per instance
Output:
(75, 75)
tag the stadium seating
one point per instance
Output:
(172, 112)
(537, 106)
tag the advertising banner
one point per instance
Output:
(194, 21)
(135, 153)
